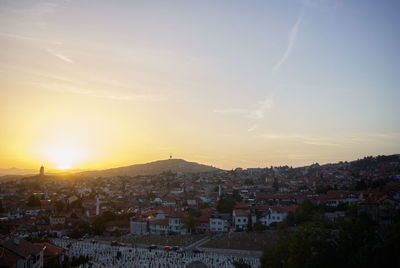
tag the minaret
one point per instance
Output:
(170, 156)
(97, 205)
(219, 191)
(41, 171)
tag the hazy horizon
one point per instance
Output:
(229, 84)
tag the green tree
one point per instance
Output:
(249, 223)
(99, 226)
(275, 184)
(308, 247)
(226, 204)
(190, 222)
(358, 243)
(108, 216)
(60, 206)
(241, 264)
(33, 201)
(259, 227)
(76, 204)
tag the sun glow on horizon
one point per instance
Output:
(64, 157)
(210, 86)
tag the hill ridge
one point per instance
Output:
(153, 168)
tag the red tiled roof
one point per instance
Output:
(241, 206)
(241, 213)
(159, 222)
(368, 201)
(203, 218)
(119, 223)
(50, 250)
(176, 214)
(22, 248)
(291, 208)
(7, 258)
(262, 207)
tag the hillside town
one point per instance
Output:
(124, 209)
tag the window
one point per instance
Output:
(238, 220)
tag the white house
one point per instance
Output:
(241, 219)
(175, 222)
(277, 214)
(32, 212)
(168, 202)
(159, 227)
(138, 226)
(191, 202)
(219, 222)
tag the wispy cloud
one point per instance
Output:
(253, 128)
(256, 113)
(59, 56)
(138, 97)
(117, 96)
(111, 95)
(310, 140)
(232, 111)
(18, 36)
(103, 88)
(33, 13)
(292, 41)
(262, 107)
(26, 37)
(335, 141)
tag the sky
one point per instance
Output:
(98, 84)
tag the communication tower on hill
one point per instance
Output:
(41, 171)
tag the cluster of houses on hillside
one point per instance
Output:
(162, 204)
(172, 221)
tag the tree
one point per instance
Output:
(248, 182)
(259, 227)
(308, 247)
(75, 262)
(241, 264)
(358, 243)
(82, 229)
(249, 223)
(60, 206)
(190, 220)
(108, 216)
(33, 201)
(275, 184)
(322, 189)
(307, 211)
(99, 226)
(236, 195)
(226, 204)
(76, 204)
(119, 255)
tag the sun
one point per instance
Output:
(65, 157)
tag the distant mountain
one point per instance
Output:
(17, 171)
(157, 167)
